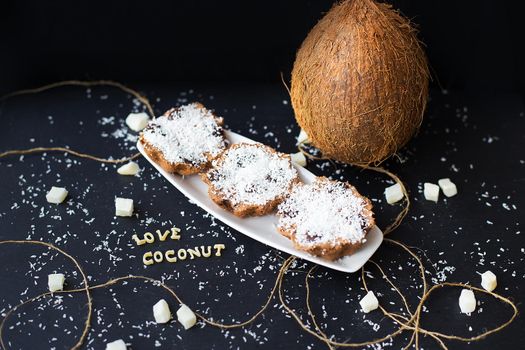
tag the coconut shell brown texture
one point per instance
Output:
(360, 82)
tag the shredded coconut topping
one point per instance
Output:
(252, 174)
(190, 133)
(324, 212)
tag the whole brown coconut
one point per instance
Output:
(360, 82)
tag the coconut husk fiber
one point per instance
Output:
(360, 82)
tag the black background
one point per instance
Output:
(472, 45)
(229, 56)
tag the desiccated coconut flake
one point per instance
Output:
(431, 192)
(56, 195)
(186, 317)
(369, 302)
(137, 121)
(298, 158)
(393, 193)
(161, 311)
(467, 301)
(489, 281)
(55, 282)
(302, 137)
(123, 206)
(116, 345)
(448, 187)
(130, 168)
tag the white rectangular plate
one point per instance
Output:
(263, 228)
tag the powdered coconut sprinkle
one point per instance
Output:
(190, 133)
(325, 213)
(252, 174)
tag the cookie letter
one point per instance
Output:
(170, 256)
(146, 258)
(219, 247)
(138, 240)
(148, 236)
(194, 252)
(175, 233)
(163, 236)
(182, 254)
(206, 254)
(158, 256)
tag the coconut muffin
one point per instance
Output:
(329, 219)
(185, 139)
(250, 179)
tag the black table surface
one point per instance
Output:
(476, 141)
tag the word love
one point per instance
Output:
(172, 256)
(149, 237)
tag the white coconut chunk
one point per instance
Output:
(130, 168)
(186, 317)
(56, 195)
(123, 206)
(369, 302)
(116, 345)
(431, 191)
(55, 282)
(489, 281)
(298, 158)
(448, 187)
(467, 301)
(303, 136)
(393, 193)
(137, 121)
(161, 311)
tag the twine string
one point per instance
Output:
(309, 307)
(141, 98)
(410, 322)
(85, 289)
(70, 151)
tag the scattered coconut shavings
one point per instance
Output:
(219, 290)
(189, 133)
(252, 174)
(324, 212)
